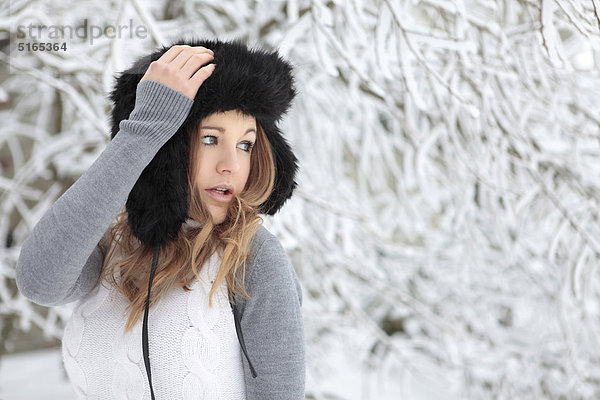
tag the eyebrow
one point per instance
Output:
(222, 130)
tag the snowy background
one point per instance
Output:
(445, 228)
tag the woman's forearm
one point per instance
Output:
(60, 260)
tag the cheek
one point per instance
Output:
(245, 169)
(206, 160)
(202, 171)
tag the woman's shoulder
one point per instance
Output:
(270, 270)
(261, 236)
(265, 245)
(267, 256)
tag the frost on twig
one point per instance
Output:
(446, 221)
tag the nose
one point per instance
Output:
(228, 162)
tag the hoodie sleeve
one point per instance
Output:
(272, 326)
(60, 261)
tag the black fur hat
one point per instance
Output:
(256, 82)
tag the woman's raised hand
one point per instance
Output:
(182, 68)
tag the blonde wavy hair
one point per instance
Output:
(181, 260)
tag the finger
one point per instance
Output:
(173, 52)
(176, 50)
(202, 74)
(195, 62)
(201, 49)
(179, 61)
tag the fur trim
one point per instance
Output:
(254, 81)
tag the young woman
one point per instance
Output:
(182, 293)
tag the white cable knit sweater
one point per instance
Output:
(194, 350)
(60, 262)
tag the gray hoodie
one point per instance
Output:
(61, 260)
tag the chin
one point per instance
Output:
(217, 214)
(218, 219)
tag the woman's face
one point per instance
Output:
(226, 140)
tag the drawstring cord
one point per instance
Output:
(236, 317)
(238, 330)
(145, 324)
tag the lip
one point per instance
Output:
(222, 186)
(218, 196)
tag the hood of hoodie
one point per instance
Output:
(255, 81)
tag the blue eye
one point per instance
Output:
(247, 146)
(209, 140)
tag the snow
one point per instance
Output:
(457, 142)
(34, 375)
(18, 372)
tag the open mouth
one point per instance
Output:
(220, 194)
(221, 191)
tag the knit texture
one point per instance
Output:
(60, 262)
(194, 349)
